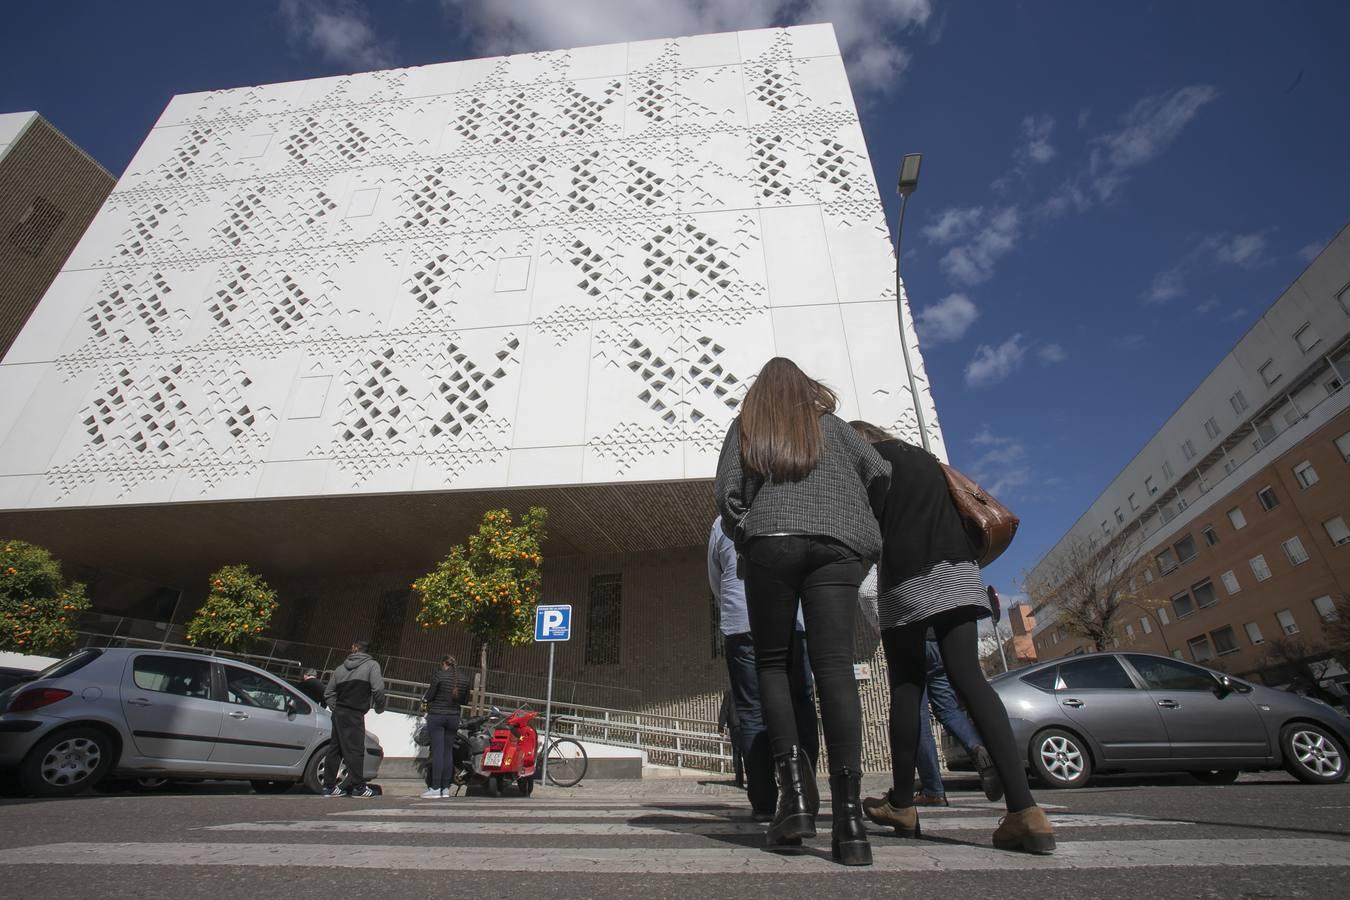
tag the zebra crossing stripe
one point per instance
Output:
(910, 856)
(451, 810)
(636, 827)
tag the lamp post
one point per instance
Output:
(908, 182)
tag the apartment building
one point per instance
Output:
(1239, 506)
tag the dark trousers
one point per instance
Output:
(348, 746)
(737, 758)
(751, 737)
(441, 729)
(823, 576)
(942, 698)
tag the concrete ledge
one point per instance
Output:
(605, 767)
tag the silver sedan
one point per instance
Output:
(1137, 712)
(162, 714)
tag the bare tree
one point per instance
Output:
(1291, 658)
(1092, 585)
(1337, 631)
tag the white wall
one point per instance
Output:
(550, 268)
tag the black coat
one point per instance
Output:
(446, 693)
(919, 522)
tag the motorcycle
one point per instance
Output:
(495, 751)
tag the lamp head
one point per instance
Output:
(909, 173)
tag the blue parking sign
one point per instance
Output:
(552, 623)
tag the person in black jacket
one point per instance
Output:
(930, 579)
(354, 688)
(444, 697)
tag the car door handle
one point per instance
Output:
(238, 715)
(1073, 704)
(1169, 704)
(138, 701)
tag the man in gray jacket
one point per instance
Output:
(354, 688)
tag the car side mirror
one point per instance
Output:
(291, 708)
(1226, 686)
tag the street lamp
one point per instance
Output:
(908, 182)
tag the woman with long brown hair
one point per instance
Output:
(930, 580)
(798, 490)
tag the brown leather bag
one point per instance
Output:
(990, 525)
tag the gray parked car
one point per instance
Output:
(1137, 712)
(159, 713)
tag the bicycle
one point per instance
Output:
(566, 761)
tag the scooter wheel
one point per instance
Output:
(494, 785)
(525, 786)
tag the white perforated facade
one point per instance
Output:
(547, 269)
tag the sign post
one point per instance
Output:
(551, 624)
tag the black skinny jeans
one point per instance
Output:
(441, 729)
(823, 575)
(907, 663)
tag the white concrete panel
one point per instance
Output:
(533, 269)
(18, 383)
(797, 256)
(16, 491)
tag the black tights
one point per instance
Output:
(907, 662)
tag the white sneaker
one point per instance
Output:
(432, 794)
(445, 794)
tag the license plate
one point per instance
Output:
(492, 760)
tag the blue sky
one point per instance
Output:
(1112, 193)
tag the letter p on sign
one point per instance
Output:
(552, 623)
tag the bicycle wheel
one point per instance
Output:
(566, 762)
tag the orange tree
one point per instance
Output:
(37, 611)
(490, 584)
(235, 613)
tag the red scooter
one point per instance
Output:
(497, 751)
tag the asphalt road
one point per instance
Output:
(1265, 836)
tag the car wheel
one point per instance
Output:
(313, 777)
(66, 762)
(1061, 759)
(1312, 754)
(1216, 776)
(272, 787)
(150, 783)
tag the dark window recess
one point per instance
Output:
(1044, 679)
(1185, 549)
(1183, 604)
(1102, 672)
(36, 227)
(389, 620)
(1204, 593)
(173, 675)
(1225, 641)
(163, 603)
(1170, 675)
(603, 618)
(715, 616)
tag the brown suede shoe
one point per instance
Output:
(905, 821)
(1027, 830)
(922, 799)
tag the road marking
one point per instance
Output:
(637, 827)
(910, 856)
(727, 813)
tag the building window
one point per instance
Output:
(1225, 640)
(1167, 514)
(1268, 373)
(1211, 536)
(1120, 517)
(1163, 617)
(1267, 497)
(1150, 486)
(1253, 632)
(1238, 402)
(1259, 567)
(1237, 518)
(1186, 549)
(1167, 561)
(1343, 297)
(1306, 474)
(1306, 337)
(1230, 582)
(1168, 474)
(603, 619)
(1148, 576)
(1333, 384)
(1176, 654)
(1337, 531)
(1326, 608)
(1342, 444)
(1129, 631)
(1145, 624)
(1293, 549)
(1181, 504)
(1286, 620)
(1134, 506)
(1204, 593)
(1229, 464)
(1106, 528)
(1183, 604)
(1211, 427)
(1200, 649)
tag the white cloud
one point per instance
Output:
(1001, 466)
(946, 320)
(1208, 306)
(1132, 341)
(1308, 252)
(1246, 251)
(1168, 284)
(991, 365)
(953, 223)
(338, 29)
(867, 29)
(1051, 354)
(1036, 148)
(973, 261)
(1239, 313)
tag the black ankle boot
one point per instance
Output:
(794, 819)
(848, 843)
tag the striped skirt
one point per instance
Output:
(941, 587)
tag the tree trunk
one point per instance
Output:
(482, 676)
